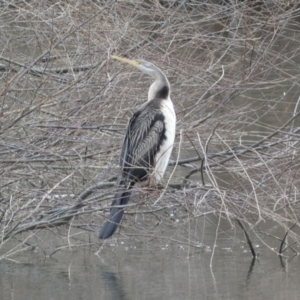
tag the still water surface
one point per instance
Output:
(127, 269)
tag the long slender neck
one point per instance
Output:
(160, 88)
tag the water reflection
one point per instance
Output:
(127, 269)
(248, 277)
(114, 285)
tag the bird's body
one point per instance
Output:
(147, 145)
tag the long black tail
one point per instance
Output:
(116, 214)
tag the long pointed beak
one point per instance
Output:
(134, 63)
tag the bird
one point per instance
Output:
(147, 145)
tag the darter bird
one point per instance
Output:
(147, 145)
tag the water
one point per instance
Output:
(128, 269)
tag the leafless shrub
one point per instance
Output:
(233, 68)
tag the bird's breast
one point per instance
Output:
(163, 155)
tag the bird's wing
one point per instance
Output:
(142, 141)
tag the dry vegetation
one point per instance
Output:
(234, 72)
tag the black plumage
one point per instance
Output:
(144, 137)
(163, 92)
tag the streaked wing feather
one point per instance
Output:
(148, 146)
(142, 139)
